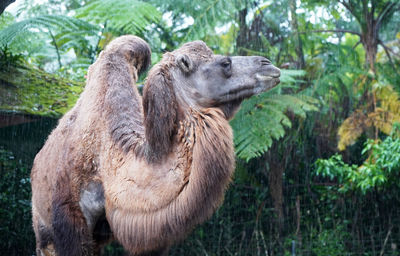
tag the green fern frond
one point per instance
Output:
(262, 118)
(6, 19)
(341, 67)
(289, 79)
(207, 15)
(128, 16)
(53, 22)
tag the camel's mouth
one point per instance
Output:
(269, 76)
(265, 78)
(264, 82)
(268, 81)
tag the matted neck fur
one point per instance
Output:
(142, 170)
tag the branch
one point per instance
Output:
(388, 54)
(55, 45)
(332, 30)
(388, 6)
(387, 48)
(386, 10)
(386, 239)
(373, 3)
(355, 46)
(387, 51)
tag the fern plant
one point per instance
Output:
(263, 118)
(45, 22)
(6, 19)
(33, 36)
(125, 16)
(205, 15)
(9, 59)
(83, 35)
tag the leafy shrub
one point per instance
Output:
(16, 233)
(330, 242)
(9, 59)
(379, 170)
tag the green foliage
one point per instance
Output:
(33, 36)
(351, 218)
(328, 241)
(335, 168)
(124, 16)
(33, 91)
(383, 11)
(6, 19)
(263, 118)
(16, 234)
(9, 59)
(74, 41)
(45, 22)
(205, 15)
(379, 171)
(386, 112)
(341, 67)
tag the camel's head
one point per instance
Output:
(193, 77)
(203, 79)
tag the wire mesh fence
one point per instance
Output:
(322, 229)
(313, 219)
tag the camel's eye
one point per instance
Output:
(226, 65)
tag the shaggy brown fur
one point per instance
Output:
(144, 173)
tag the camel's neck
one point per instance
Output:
(120, 105)
(207, 139)
(212, 164)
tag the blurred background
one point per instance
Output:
(318, 157)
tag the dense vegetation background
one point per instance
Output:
(318, 157)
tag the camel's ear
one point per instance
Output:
(184, 63)
(160, 113)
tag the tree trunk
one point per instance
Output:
(275, 182)
(300, 64)
(242, 38)
(369, 40)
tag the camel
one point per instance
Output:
(142, 170)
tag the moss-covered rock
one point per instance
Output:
(27, 90)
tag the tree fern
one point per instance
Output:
(33, 36)
(6, 19)
(126, 16)
(65, 33)
(206, 14)
(262, 119)
(46, 22)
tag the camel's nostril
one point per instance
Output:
(265, 61)
(261, 61)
